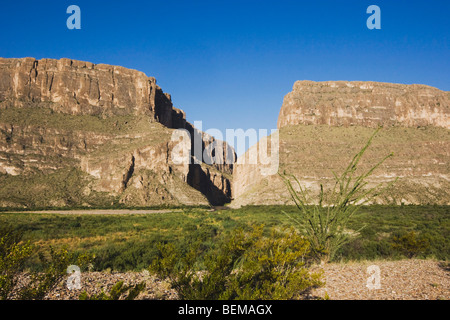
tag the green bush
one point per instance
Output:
(365, 249)
(13, 256)
(410, 244)
(245, 265)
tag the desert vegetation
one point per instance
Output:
(324, 220)
(121, 243)
(129, 242)
(245, 266)
(14, 253)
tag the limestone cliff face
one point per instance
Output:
(108, 122)
(83, 88)
(323, 125)
(368, 104)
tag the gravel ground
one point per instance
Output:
(95, 282)
(399, 280)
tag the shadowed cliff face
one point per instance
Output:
(218, 192)
(323, 125)
(110, 124)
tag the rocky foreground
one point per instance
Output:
(399, 280)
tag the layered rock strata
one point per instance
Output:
(107, 127)
(322, 125)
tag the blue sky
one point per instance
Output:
(230, 63)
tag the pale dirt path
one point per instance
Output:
(104, 212)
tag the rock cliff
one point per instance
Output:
(78, 133)
(83, 88)
(367, 104)
(74, 133)
(322, 125)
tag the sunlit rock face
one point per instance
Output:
(322, 125)
(78, 133)
(368, 104)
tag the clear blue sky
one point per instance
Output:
(230, 63)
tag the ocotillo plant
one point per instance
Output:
(324, 222)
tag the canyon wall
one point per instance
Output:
(322, 125)
(83, 88)
(74, 133)
(107, 127)
(367, 104)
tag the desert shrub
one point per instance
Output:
(275, 267)
(245, 265)
(132, 255)
(325, 223)
(410, 244)
(139, 254)
(117, 292)
(365, 249)
(13, 256)
(56, 264)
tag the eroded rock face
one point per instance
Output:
(112, 123)
(367, 104)
(83, 88)
(323, 125)
(77, 87)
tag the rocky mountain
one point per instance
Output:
(75, 133)
(322, 125)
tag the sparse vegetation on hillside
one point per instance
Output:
(42, 115)
(311, 153)
(64, 187)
